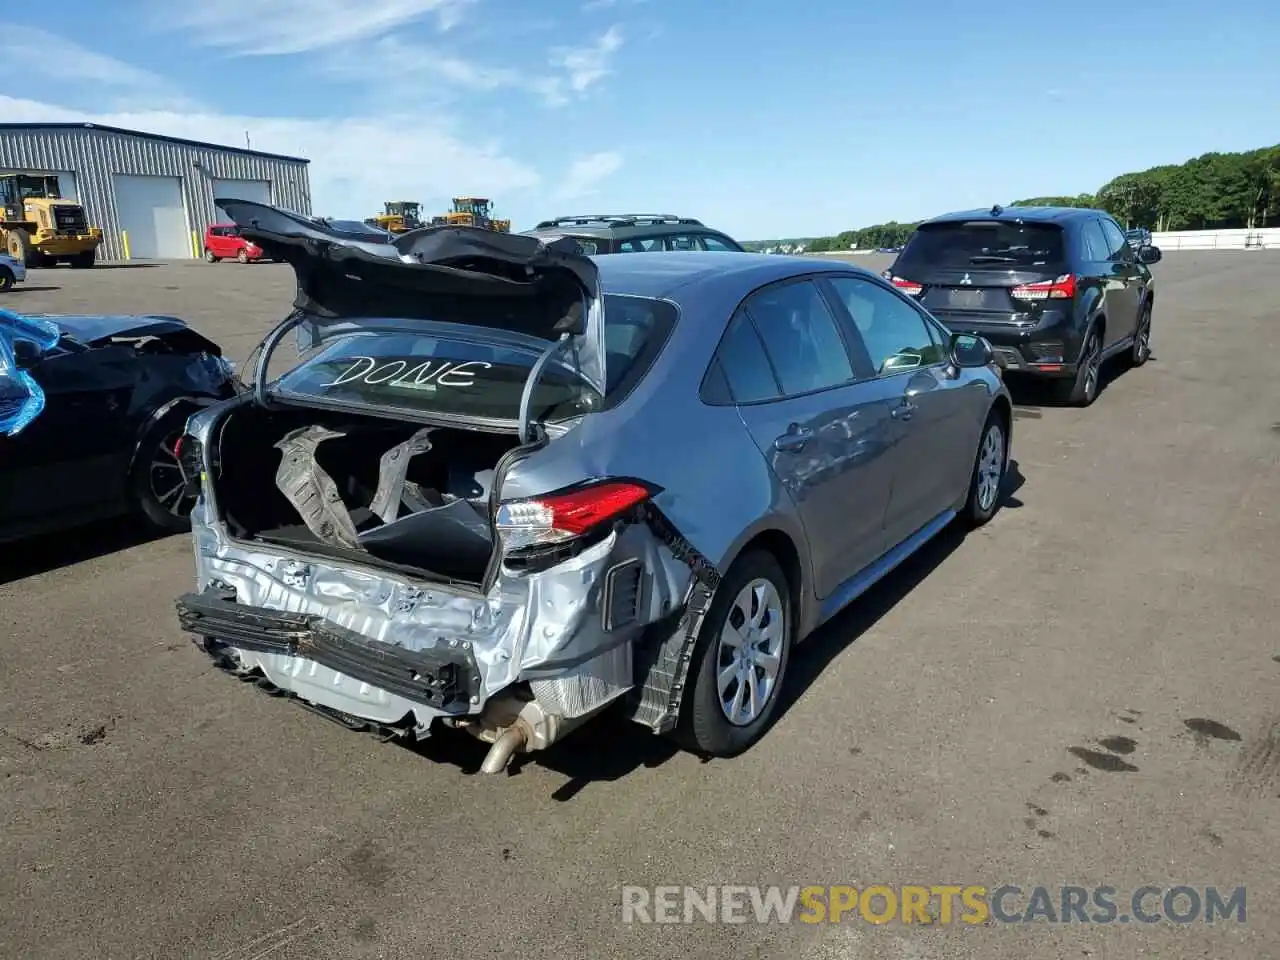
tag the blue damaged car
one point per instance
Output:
(91, 409)
(505, 486)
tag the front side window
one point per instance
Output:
(800, 336)
(1117, 246)
(896, 336)
(1095, 242)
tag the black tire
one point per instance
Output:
(150, 481)
(242, 256)
(704, 726)
(1083, 389)
(18, 244)
(1141, 351)
(986, 488)
(84, 261)
(6, 279)
(210, 256)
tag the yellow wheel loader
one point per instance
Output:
(474, 212)
(399, 216)
(40, 228)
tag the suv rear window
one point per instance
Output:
(964, 244)
(425, 373)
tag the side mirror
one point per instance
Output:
(1150, 255)
(26, 354)
(968, 351)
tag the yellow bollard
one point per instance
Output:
(124, 242)
(195, 246)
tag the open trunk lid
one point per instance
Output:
(995, 270)
(516, 290)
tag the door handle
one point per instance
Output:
(793, 440)
(904, 410)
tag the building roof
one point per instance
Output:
(6, 127)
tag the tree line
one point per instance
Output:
(1216, 191)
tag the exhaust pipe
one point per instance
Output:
(499, 755)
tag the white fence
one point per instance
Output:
(1268, 238)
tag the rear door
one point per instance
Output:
(967, 272)
(1124, 289)
(934, 414)
(799, 391)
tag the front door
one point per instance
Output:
(931, 444)
(1124, 291)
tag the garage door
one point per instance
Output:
(152, 214)
(258, 191)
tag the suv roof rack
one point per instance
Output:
(616, 220)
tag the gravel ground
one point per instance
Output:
(1083, 692)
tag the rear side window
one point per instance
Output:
(1094, 243)
(975, 243)
(640, 245)
(744, 364)
(712, 242)
(800, 336)
(682, 242)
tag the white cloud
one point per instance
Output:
(586, 174)
(278, 27)
(351, 176)
(52, 59)
(588, 65)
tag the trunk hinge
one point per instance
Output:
(531, 381)
(311, 490)
(392, 470)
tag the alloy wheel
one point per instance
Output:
(165, 479)
(1142, 351)
(749, 652)
(990, 467)
(1093, 366)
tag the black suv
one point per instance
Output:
(1056, 290)
(635, 233)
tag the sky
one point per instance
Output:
(762, 118)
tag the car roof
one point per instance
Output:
(661, 274)
(1013, 214)
(621, 227)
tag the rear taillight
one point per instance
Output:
(1064, 288)
(566, 514)
(909, 287)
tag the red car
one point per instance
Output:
(223, 241)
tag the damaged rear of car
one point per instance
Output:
(408, 527)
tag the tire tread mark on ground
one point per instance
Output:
(1259, 768)
(282, 936)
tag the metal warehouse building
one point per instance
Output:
(151, 195)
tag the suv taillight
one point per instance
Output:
(1063, 288)
(555, 518)
(909, 287)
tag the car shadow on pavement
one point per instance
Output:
(1033, 392)
(27, 289)
(610, 747)
(815, 654)
(46, 552)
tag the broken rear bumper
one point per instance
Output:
(446, 679)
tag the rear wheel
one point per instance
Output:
(1083, 390)
(1142, 338)
(988, 472)
(210, 256)
(83, 261)
(157, 484)
(740, 659)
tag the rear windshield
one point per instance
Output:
(422, 373)
(979, 242)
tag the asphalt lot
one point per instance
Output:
(1026, 705)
